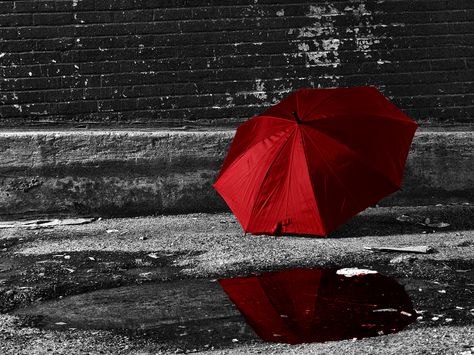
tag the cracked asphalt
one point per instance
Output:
(40, 266)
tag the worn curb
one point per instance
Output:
(143, 172)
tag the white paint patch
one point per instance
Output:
(2, 55)
(331, 44)
(229, 101)
(315, 11)
(74, 3)
(303, 47)
(351, 272)
(260, 90)
(328, 39)
(280, 13)
(308, 32)
(362, 10)
(323, 51)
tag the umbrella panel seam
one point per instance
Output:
(282, 132)
(323, 226)
(257, 196)
(358, 157)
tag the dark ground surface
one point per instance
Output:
(121, 286)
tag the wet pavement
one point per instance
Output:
(195, 284)
(292, 306)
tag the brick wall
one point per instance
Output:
(176, 62)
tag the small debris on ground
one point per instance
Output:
(45, 223)
(420, 249)
(402, 259)
(426, 222)
(350, 272)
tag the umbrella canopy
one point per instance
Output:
(316, 305)
(314, 160)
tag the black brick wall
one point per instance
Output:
(172, 62)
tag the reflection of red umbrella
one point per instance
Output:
(315, 305)
(314, 160)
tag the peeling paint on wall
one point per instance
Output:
(320, 51)
(260, 90)
(321, 41)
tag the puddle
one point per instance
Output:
(318, 305)
(26, 278)
(292, 306)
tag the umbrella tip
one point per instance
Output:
(296, 117)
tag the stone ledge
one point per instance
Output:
(145, 172)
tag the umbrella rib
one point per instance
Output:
(311, 184)
(332, 170)
(266, 175)
(273, 304)
(289, 177)
(256, 142)
(237, 158)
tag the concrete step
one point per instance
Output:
(126, 172)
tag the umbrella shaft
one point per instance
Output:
(296, 117)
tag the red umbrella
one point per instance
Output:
(317, 158)
(316, 305)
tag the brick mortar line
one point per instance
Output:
(210, 82)
(209, 95)
(248, 31)
(221, 69)
(273, 5)
(155, 22)
(233, 44)
(212, 32)
(151, 72)
(143, 61)
(193, 94)
(233, 6)
(389, 51)
(262, 106)
(375, 14)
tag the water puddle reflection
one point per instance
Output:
(317, 305)
(291, 306)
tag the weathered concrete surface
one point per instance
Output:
(41, 265)
(143, 172)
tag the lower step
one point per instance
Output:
(140, 172)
